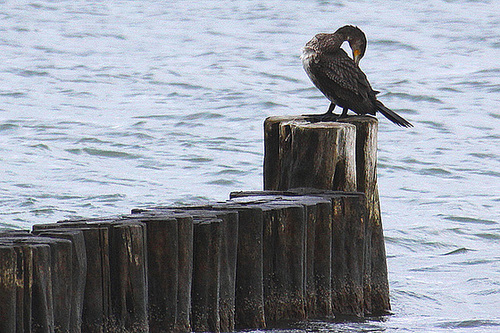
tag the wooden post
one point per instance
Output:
(44, 273)
(42, 306)
(8, 273)
(170, 267)
(321, 236)
(79, 270)
(185, 272)
(376, 285)
(97, 297)
(227, 267)
(284, 237)
(114, 299)
(127, 257)
(22, 282)
(61, 279)
(249, 302)
(206, 263)
(348, 254)
(229, 248)
(163, 263)
(227, 253)
(298, 153)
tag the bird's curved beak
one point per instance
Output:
(356, 55)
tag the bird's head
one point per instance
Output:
(356, 39)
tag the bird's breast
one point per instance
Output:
(307, 57)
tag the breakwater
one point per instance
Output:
(302, 249)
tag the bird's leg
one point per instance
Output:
(330, 109)
(344, 113)
(327, 116)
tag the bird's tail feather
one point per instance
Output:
(392, 116)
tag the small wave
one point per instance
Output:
(435, 172)
(198, 159)
(487, 292)
(494, 115)
(91, 140)
(40, 146)
(103, 153)
(44, 7)
(494, 89)
(466, 219)
(414, 98)
(8, 126)
(279, 77)
(435, 125)
(450, 89)
(231, 172)
(156, 116)
(203, 115)
(270, 105)
(10, 226)
(106, 197)
(29, 73)
(411, 160)
(223, 182)
(186, 86)
(493, 71)
(15, 94)
(457, 251)
(482, 155)
(488, 236)
(394, 45)
(48, 50)
(469, 324)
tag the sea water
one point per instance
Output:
(107, 106)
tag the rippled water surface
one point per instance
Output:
(106, 106)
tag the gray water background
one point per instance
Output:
(106, 106)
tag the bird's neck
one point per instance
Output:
(329, 43)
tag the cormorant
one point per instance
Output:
(339, 77)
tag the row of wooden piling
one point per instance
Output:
(254, 261)
(250, 262)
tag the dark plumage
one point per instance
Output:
(339, 77)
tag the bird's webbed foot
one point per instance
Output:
(327, 116)
(316, 118)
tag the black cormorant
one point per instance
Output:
(339, 77)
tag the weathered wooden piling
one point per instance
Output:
(163, 272)
(376, 284)
(169, 269)
(128, 276)
(78, 272)
(43, 272)
(185, 272)
(298, 153)
(8, 272)
(20, 281)
(206, 263)
(284, 239)
(249, 285)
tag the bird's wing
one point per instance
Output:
(340, 70)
